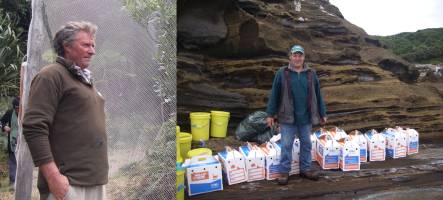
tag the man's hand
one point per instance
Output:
(270, 121)
(58, 184)
(323, 120)
(6, 129)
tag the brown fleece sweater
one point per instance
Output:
(65, 123)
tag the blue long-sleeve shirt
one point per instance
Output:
(299, 90)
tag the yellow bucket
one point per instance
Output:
(199, 151)
(219, 123)
(200, 126)
(177, 147)
(180, 184)
(185, 143)
(177, 144)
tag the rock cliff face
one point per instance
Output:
(229, 50)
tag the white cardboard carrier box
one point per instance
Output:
(395, 143)
(376, 146)
(272, 154)
(337, 133)
(295, 164)
(314, 137)
(314, 146)
(349, 155)
(320, 132)
(328, 151)
(362, 142)
(233, 165)
(203, 174)
(255, 162)
(412, 140)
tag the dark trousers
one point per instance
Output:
(12, 164)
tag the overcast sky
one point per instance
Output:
(388, 17)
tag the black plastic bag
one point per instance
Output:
(254, 129)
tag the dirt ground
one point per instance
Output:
(418, 176)
(6, 191)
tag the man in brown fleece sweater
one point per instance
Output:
(64, 124)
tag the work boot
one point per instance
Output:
(310, 174)
(283, 179)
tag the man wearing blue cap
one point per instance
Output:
(296, 102)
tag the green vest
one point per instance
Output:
(14, 131)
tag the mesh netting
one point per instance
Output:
(134, 69)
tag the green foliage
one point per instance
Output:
(424, 46)
(20, 12)
(11, 55)
(14, 22)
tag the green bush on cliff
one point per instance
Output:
(423, 46)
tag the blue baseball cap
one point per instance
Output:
(297, 49)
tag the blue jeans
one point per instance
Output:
(12, 164)
(288, 132)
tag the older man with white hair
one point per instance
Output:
(64, 124)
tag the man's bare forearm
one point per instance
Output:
(49, 170)
(58, 183)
